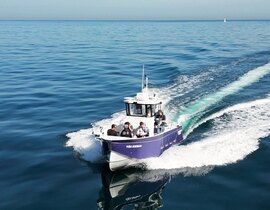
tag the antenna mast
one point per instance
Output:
(143, 77)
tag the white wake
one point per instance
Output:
(236, 133)
(85, 143)
(197, 108)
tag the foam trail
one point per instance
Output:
(183, 85)
(230, 109)
(235, 134)
(192, 112)
(85, 143)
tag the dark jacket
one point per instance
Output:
(159, 118)
(111, 132)
(126, 133)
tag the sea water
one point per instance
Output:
(59, 80)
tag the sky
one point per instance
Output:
(134, 9)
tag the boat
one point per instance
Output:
(123, 152)
(131, 189)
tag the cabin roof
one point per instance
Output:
(143, 98)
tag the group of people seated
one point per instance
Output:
(128, 131)
(142, 130)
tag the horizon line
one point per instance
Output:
(139, 20)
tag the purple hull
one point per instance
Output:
(147, 147)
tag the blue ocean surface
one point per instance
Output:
(59, 79)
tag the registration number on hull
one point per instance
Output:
(134, 146)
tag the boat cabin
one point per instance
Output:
(142, 108)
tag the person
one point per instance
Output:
(128, 130)
(160, 121)
(112, 131)
(142, 131)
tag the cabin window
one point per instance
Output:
(156, 107)
(142, 110)
(149, 111)
(152, 109)
(127, 109)
(136, 110)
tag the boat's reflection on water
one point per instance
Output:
(131, 189)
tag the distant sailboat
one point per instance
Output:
(225, 20)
